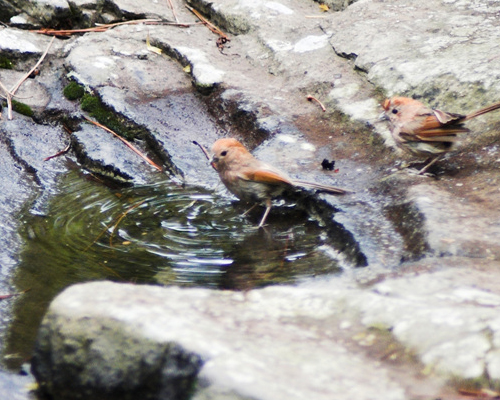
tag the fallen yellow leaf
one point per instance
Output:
(154, 49)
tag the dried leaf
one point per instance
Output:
(323, 7)
(153, 49)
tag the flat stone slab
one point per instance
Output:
(278, 342)
(244, 342)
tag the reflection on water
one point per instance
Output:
(161, 234)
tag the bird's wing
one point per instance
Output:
(448, 118)
(268, 176)
(259, 171)
(431, 128)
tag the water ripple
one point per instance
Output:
(168, 234)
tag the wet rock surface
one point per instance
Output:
(424, 309)
(260, 342)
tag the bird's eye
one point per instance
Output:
(223, 153)
(394, 111)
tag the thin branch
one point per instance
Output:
(202, 149)
(59, 153)
(173, 10)
(208, 24)
(8, 97)
(311, 98)
(130, 146)
(8, 296)
(132, 22)
(10, 93)
(105, 27)
(14, 89)
(68, 32)
(120, 218)
(113, 223)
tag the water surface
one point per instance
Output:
(162, 233)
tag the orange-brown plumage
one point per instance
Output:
(252, 180)
(423, 131)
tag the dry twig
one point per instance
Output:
(120, 218)
(18, 84)
(8, 296)
(208, 24)
(114, 223)
(480, 393)
(202, 149)
(311, 98)
(173, 10)
(129, 145)
(59, 153)
(11, 93)
(204, 152)
(105, 27)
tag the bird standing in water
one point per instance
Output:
(252, 180)
(423, 131)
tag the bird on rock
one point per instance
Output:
(426, 132)
(252, 180)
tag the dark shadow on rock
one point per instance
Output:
(408, 222)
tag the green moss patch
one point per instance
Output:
(5, 63)
(92, 105)
(22, 108)
(73, 91)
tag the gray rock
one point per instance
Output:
(439, 309)
(278, 342)
(102, 153)
(436, 50)
(46, 13)
(49, 141)
(446, 233)
(17, 190)
(26, 182)
(446, 317)
(15, 386)
(128, 365)
(267, 345)
(20, 42)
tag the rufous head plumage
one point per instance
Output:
(227, 151)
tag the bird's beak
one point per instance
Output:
(213, 161)
(383, 117)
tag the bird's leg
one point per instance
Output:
(250, 209)
(423, 170)
(268, 208)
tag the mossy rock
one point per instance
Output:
(93, 105)
(6, 63)
(22, 108)
(73, 91)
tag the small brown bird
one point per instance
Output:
(426, 132)
(252, 180)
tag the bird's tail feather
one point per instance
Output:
(322, 188)
(482, 111)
